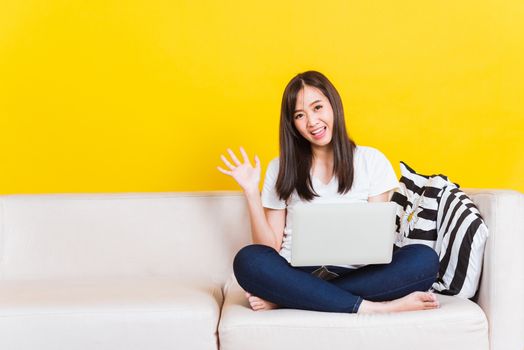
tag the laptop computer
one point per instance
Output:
(343, 233)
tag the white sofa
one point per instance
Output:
(153, 271)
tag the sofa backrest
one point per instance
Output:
(181, 235)
(178, 235)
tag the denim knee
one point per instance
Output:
(428, 258)
(243, 262)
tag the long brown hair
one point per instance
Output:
(296, 156)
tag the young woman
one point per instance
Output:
(319, 162)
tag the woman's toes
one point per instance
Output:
(431, 305)
(257, 303)
(426, 296)
(433, 299)
(256, 306)
(254, 302)
(430, 300)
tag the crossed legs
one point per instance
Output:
(399, 285)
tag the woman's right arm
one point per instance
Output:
(267, 225)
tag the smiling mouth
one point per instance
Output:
(319, 134)
(318, 131)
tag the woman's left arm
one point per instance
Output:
(384, 197)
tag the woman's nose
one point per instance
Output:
(312, 120)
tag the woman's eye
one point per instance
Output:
(318, 106)
(298, 116)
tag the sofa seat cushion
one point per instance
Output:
(108, 314)
(457, 324)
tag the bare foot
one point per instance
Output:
(411, 302)
(259, 304)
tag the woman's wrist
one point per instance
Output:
(251, 192)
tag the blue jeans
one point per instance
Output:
(261, 271)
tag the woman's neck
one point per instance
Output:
(323, 157)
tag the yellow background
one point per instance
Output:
(144, 95)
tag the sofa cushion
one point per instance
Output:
(108, 314)
(433, 211)
(418, 198)
(462, 236)
(457, 324)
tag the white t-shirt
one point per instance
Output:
(373, 175)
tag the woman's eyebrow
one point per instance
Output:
(297, 110)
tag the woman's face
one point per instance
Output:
(313, 116)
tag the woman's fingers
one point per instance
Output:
(238, 163)
(224, 159)
(235, 159)
(244, 155)
(224, 171)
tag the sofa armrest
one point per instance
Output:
(501, 292)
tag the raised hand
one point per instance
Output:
(245, 174)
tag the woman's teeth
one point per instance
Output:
(318, 131)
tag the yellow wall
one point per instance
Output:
(144, 95)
